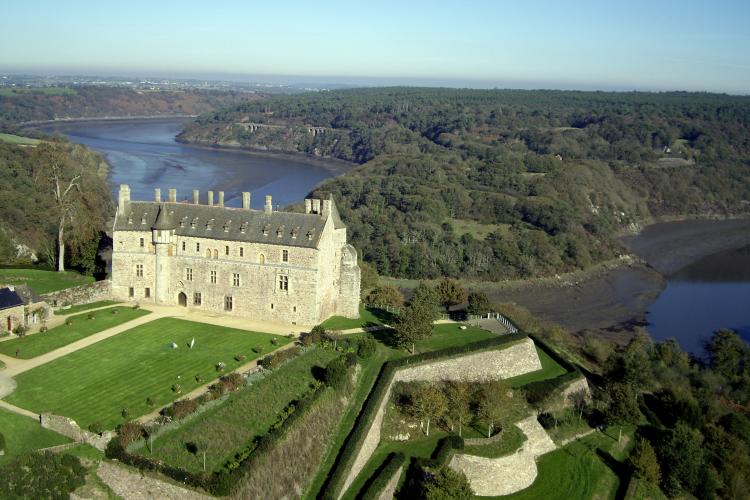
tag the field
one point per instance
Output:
(367, 317)
(17, 139)
(248, 413)
(36, 344)
(24, 434)
(42, 281)
(85, 307)
(96, 383)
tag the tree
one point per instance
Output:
(458, 395)
(369, 277)
(428, 403)
(725, 351)
(414, 323)
(495, 399)
(478, 304)
(632, 365)
(426, 298)
(450, 293)
(580, 401)
(681, 456)
(644, 462)
(385, 296)
(620, 404)
(446, 484)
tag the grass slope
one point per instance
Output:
(550, 369)
(96, 383)
(84, 307)
(23, 434)
(246, 414)
(449, 335)
(367, 317)
(42, 281)
(17, 139)
(40, 343)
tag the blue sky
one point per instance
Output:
(627, 44)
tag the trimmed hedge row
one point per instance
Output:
(353, 442)
(221, 483)
(384, 475)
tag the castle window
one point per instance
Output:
(243, 227)
(242, 252)
(131, 292)
(197, 247)
(284, 283)
(216, 254)
(226, 226)
(228, 303)
(295, 308)
(182, 221)
(309, 235)
(143, 221)
(295, 232)
(208, 253)
(188, 274)
(272, 307)
(285, 255)
(147, 293)
(139, 270)
(226, 250)
(197, 298)
(193, 223)
(265, 230)
(183, 246)
(261, 259)
(235, 279)
(213, 277)
(142, 243)
(130, 220)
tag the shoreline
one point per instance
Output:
(94, 119)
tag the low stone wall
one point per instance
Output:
(506, 362)
(92, 292)
(69, 428)
(390, 488)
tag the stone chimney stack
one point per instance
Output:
(315, 206)
(157, 195)
(210, 198)
(221, 198)
(196, 197)
(246, 200)
(269, 204)
(326, 212)
(173, 195)
(308, 205)
(123, 198)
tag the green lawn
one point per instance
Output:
(17, 139)
(96, 383)
(23, 434)
(550, 369)
(40, 343)
(246, 414)
(512, 439)
(85, 307)
(367, 317)
(450, 335)
(42, 281)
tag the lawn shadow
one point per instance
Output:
(621, 470)
(385, 337)
(386, 317)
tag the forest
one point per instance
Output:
(498, 184)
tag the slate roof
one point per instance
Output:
(223, 223)
(9, 298)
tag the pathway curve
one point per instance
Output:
(506, 475)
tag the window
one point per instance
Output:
(295, 308)
(131, 292)
(139, 270)
(183, 246)
(197, 247)
(189, 274)
(284, 283)
(197, 298)
(226, 250)
(235, 279)
(213, 277)
(143, 243)
(272, 307)
(147, 293)
(261, 259)
(242, 252)
(228, 303)
(285, 255)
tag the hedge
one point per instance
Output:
(383, 476)
(362, 425)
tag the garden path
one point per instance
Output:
(506, 475)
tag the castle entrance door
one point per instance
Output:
(182, 299)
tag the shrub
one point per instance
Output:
(176, 388)
(239, 357)
(232, 382)
(336, 371)
(96, 427)
(90, 316)
(136, 306)
(366, 347)
(546, 420)
(115, 311)
(216, 391)
(273, 360)
(150, 402)
(128, 433)
(125, 413)
(20, 330)
(198, 378)
(181, 409)
(68, 322)
(220, 366)
(41, 475)
(43, 329)
(314, 336)
(257, 349)
(274, 341)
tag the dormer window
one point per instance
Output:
(226, 226)
(265, 230)
(209, 224)
(280, 232)
(193, 223)
(309, 235)
(130, 219)
(143, 220)
(182, 221)
(243, 227)
(295, 232)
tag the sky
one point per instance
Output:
(604, 44)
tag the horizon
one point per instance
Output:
(681, 46)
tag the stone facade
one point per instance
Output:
(84, 294)
(268, 265)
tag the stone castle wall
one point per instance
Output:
(92, 292)
(69, 428)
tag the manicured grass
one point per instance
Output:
(550, 369)
(23, 434)
(246, 414)
(42, 281)
(96, 383)
(512, 439)
(367, 317)
(40, 343)
(85, 307)
(85, 451)
(17, 139)
(450, 335)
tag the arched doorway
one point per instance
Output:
(182, 299)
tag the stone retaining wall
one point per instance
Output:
(509, 361)
(69, 428)
(92, 292)
(390, 488)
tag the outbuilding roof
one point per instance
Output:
(9, 298)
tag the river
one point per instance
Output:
(145, 155)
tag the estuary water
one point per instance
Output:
(145, 155)
(709, 294)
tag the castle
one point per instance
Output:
(262, 264)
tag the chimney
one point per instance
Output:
(196, 197)
(308, 205)
(315, 206)
(326, 212)
(173, 195)
(157, 195)
(221, 198)
(246, 200)
(210, 198)
(269, 205)
(123, 198)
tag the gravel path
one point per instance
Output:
(7, 385)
